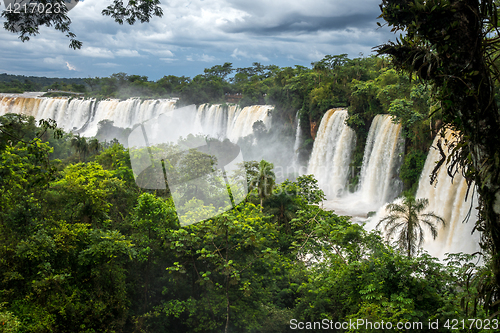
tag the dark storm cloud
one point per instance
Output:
(197, 34)
(297, 23)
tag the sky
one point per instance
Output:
(196, 34)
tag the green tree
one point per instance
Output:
(405, 221)
(220, 71)
(84, 193)
(81, 146)
(94, 146)
(225, 275)
(262, 180)
(152, 220)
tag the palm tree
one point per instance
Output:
(81, 146)
(94, 146)
(263, 179)
(283, 207)
(405, 222)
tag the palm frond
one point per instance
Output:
(406, 220)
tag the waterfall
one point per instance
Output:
(231, 121)
(382, 159)
(213, 119)
(379, 181)
(332, 152)
(84, 115)
(447, 199)
(243, 120)
(296, 145)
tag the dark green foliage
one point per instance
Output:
(411, 170)
(403, 223)
(84, 250)
(34, 83)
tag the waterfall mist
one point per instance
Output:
(253, 130)
(83, 115)
(251, 127)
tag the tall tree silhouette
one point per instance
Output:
(263, 180)
(405, 222)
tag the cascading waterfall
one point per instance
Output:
(232, 121)
(382, 159)
(332, 152)
(329, 161)
(447, 200)
(379, 181)
(84, 115)
(213, 119)
(243, 120)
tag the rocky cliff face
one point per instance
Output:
(314, 128)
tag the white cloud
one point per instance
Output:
(207, 58)
(203, 58)
(96, 52)
(168, 59)
(70, 67)
(237, 53)
(107, 64)
(54, 61)
(161, 53)
(127, 53)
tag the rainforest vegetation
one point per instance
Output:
(85, 250)
(366, 86)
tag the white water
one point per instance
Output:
(379, 181)
(332, 152)
(243, 120)
(381, 162)
(213, 119)
(329, 161)
(296, 146)
(232, 121)
(447, 200)
(83, 115)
